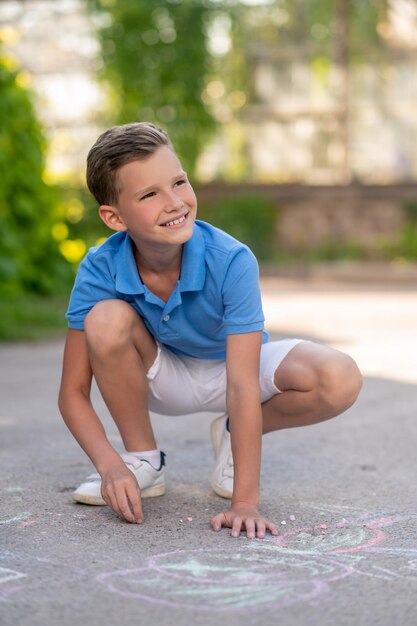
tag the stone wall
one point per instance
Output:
(310, 216)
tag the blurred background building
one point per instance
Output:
(294, 119)
(318, 92)
(55, 43)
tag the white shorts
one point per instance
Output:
(179, 385)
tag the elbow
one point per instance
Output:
(67, 396)
(63, 401)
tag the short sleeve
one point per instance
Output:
(242, 295)
(94, 282)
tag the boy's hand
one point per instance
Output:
(120, 490)
(243, 516)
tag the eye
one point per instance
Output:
(182, 181)
(148, 195)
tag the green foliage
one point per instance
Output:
(404, 245)
(29, 257)
(88, 227)
(29, 317)
(155, 61)
(410, 210)
(251, 219)
(366, 15)
(407, 247)
(316, 21)
(333, 250)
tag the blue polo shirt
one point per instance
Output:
(218, 292)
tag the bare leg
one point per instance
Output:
(317, 383)
(121, 351)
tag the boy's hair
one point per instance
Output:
(116, 147)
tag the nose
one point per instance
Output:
(174, 202)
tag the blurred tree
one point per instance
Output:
(155, 62)
(249, 218)
(322, 25)
(29, 257)
(328, 36)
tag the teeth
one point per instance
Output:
(178, 221)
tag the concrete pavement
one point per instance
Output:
(342, 492)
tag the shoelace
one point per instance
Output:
(129, 459)
(132, 460)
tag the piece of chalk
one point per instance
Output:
(323, 526)
(283, 522)
(292, 518)
(189, 519)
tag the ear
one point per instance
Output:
(111, 217)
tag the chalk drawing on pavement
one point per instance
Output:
(21, 573)
(207, 579)
(15, 518)
(297, 567)
(7, 575)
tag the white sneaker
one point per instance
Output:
(150, 480)
(223, 473)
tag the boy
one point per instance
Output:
(167, 316)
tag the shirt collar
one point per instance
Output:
(193, 268)
(127, 276)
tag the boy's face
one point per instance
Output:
(156, 204)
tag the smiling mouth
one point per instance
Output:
(176, 222)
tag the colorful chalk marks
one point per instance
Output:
(304, 564)
(203, 579)
(296, 567)
(15, 518)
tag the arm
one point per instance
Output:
(245, 414)
(119, 486)
(244, 409)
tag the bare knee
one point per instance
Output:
(331, 377)
(109, 325)
(339, 381)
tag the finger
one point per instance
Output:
(260, 526)
(226, 522)
(133, 494)
(124, 508)
(237, 525)
(119, 503)
(218, 521)
(271, 527)
(123, 501)
(110, 497)
(250, 528)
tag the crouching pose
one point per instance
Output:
(167, 316)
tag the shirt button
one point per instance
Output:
(166, 318)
